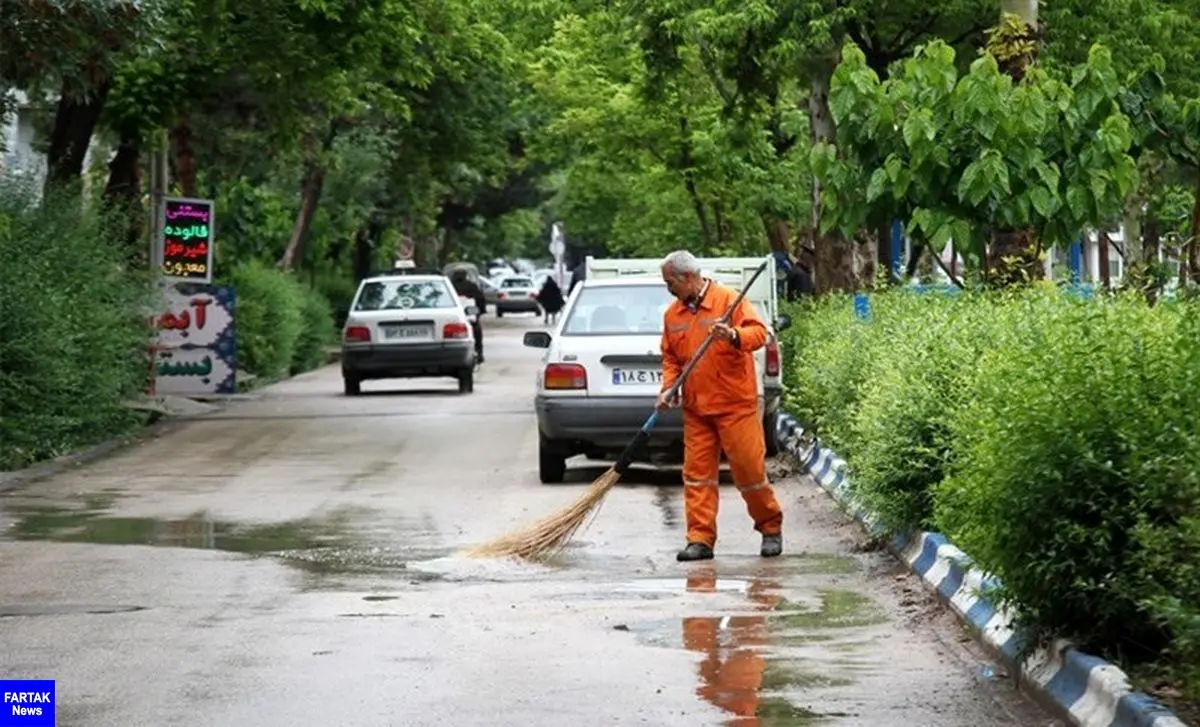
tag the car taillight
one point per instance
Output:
(772, 358)
(360, 334)
(456, 330)
(566, 376)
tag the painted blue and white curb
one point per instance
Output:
(1087, 690)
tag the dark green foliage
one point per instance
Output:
(74, 329)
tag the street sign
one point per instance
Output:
(558, 244)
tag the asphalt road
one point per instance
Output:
(292, 561)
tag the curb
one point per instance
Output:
(14, 479)
(1083, 689)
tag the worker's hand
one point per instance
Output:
(663, 403)
(723, 332)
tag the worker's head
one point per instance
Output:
(459, 276)
(681, 273)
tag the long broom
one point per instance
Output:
(549, 535)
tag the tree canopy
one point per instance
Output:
(333, 131)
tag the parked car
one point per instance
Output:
(516, 294)
(602, 372)
(407, 326)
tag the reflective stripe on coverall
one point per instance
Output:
(720, 411)
(731, 674)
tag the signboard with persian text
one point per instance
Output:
(186, 244)
(196, 350)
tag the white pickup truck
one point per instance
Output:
(602, 369)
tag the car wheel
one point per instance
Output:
(552, 466)
(351, 386)
(769, 436)
(466, 381)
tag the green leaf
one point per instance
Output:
(878, 185)
(1044, 201)
(1078, 201)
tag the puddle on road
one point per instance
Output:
(760, 662)
(319, 546)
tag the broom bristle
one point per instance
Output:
(550, 534)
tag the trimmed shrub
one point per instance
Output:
(317, 334)
(74, 328)
(828, 350)
(1078, 472)
(1055, 439)
(284, 326)
(921, 372)
(269, 319)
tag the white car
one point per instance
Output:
(602, 373)
(407, 326)
(516, 294)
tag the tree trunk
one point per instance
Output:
(74, 121)
(1008, 43)
(687, 167)
(778, 234)
(1104, 243)
(311, 186)
(724, 229)
(834, 265)
(866, 253)
(124, 190)
(365, 243)
(1193, 243)
(185, 158)
(1013, 257)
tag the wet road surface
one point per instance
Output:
(291, 561)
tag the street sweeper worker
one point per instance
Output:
(720, 404)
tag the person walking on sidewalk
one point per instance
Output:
(720, 404)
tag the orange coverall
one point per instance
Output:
(720, 411)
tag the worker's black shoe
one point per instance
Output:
(695, 551)
(772, 545)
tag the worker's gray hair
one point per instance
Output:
(681, 262)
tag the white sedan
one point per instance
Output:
(407, 326)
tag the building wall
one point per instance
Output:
(20, 160)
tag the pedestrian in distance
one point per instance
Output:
(467, 288)
(720, 404)
(550, 298)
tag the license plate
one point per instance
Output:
(634, 377)
(407, 333)
(519, 295)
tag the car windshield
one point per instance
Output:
(405, 294)
(618, 310)
(517, 283)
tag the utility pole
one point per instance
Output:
(158, 191)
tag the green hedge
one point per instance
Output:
(283, 326)
(74, 329)
(1055, 439)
